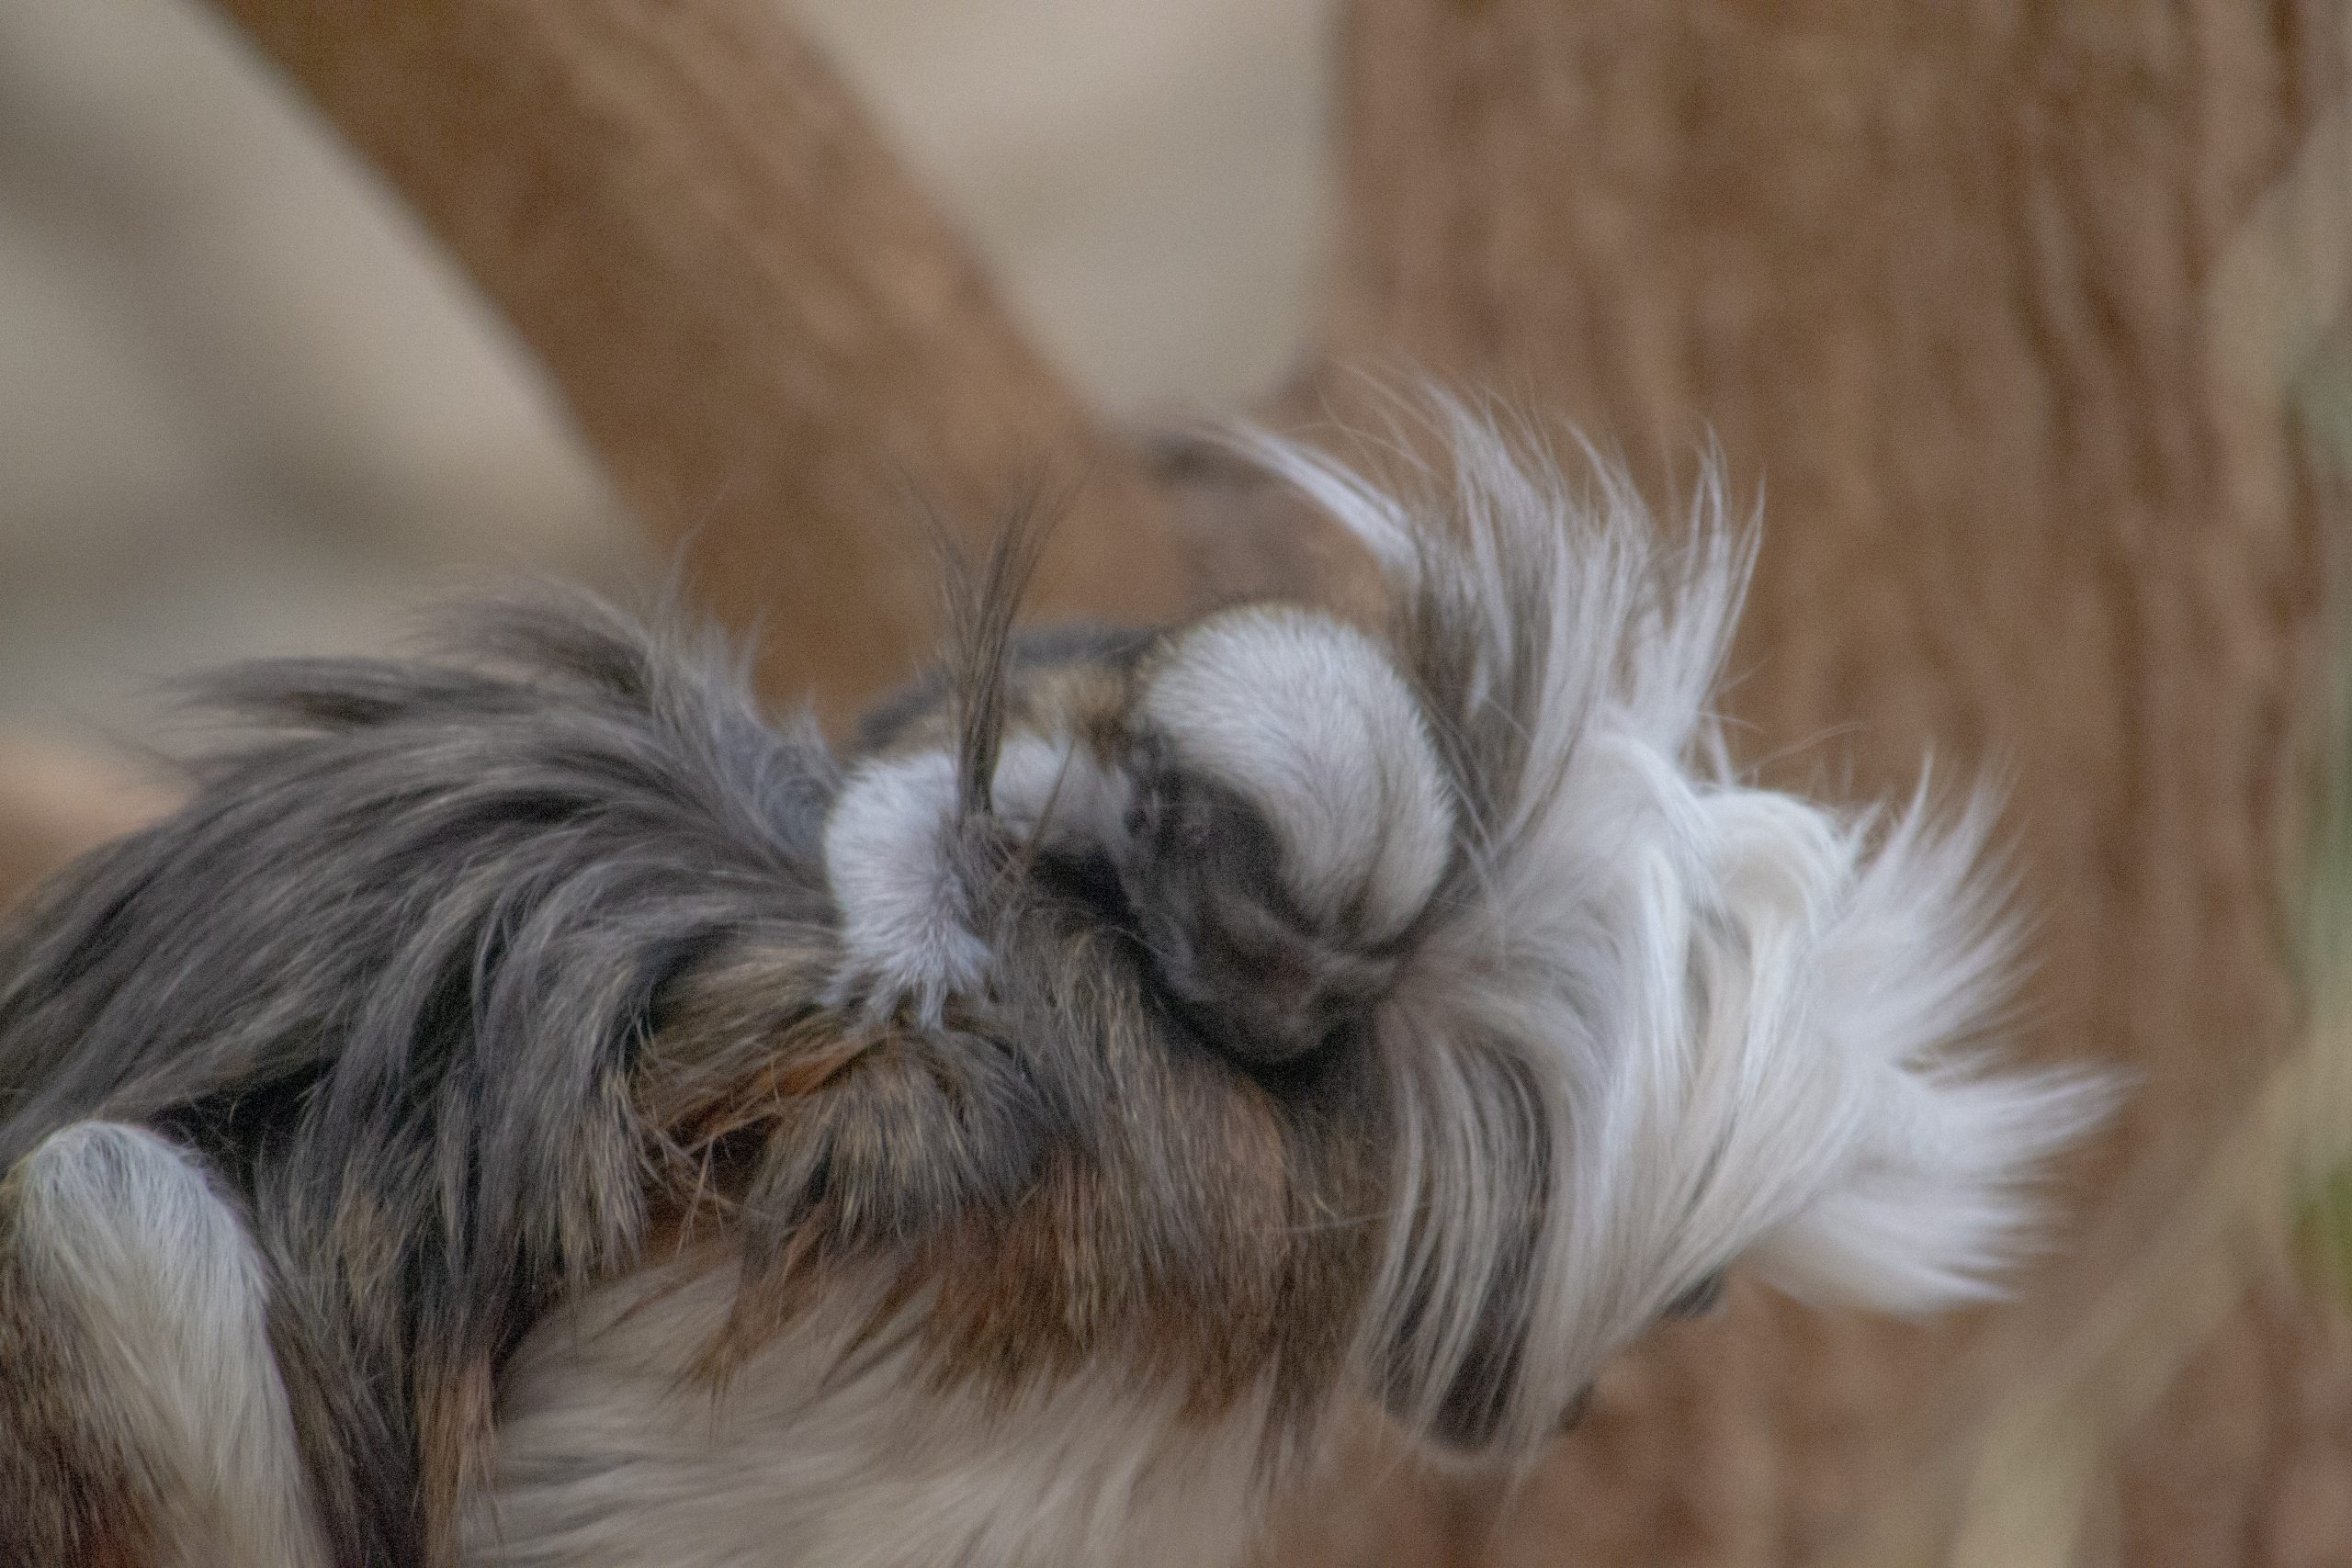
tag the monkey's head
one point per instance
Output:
(1276, 1012)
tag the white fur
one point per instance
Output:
(1741, 1021)
(1051, 785)
(158, 1289)
(905, 917)
(906, 923)
(1309, 721)
(609, 1457)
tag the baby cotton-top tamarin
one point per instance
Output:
(530, 1109)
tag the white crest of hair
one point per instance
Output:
(610, 1455)
(1695, 1020)
(906, 929)
(151, 1275)
(1306, 717)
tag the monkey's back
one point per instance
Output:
(386, 976)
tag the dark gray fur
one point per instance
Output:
(389, 968)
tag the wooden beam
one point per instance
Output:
(760, 323)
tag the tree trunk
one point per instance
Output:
(1956, 286)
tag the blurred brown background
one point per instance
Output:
(2029, 315)
(247, 405)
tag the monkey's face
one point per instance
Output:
(1254, 801)
(1420, 1017)
(1288, 824)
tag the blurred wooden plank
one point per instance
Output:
(760, 323)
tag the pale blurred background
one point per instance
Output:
(246, 407)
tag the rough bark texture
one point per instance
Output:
(766, 332)
(1945, 279)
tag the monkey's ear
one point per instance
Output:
(143, 1419)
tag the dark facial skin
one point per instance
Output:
(1247, 969)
